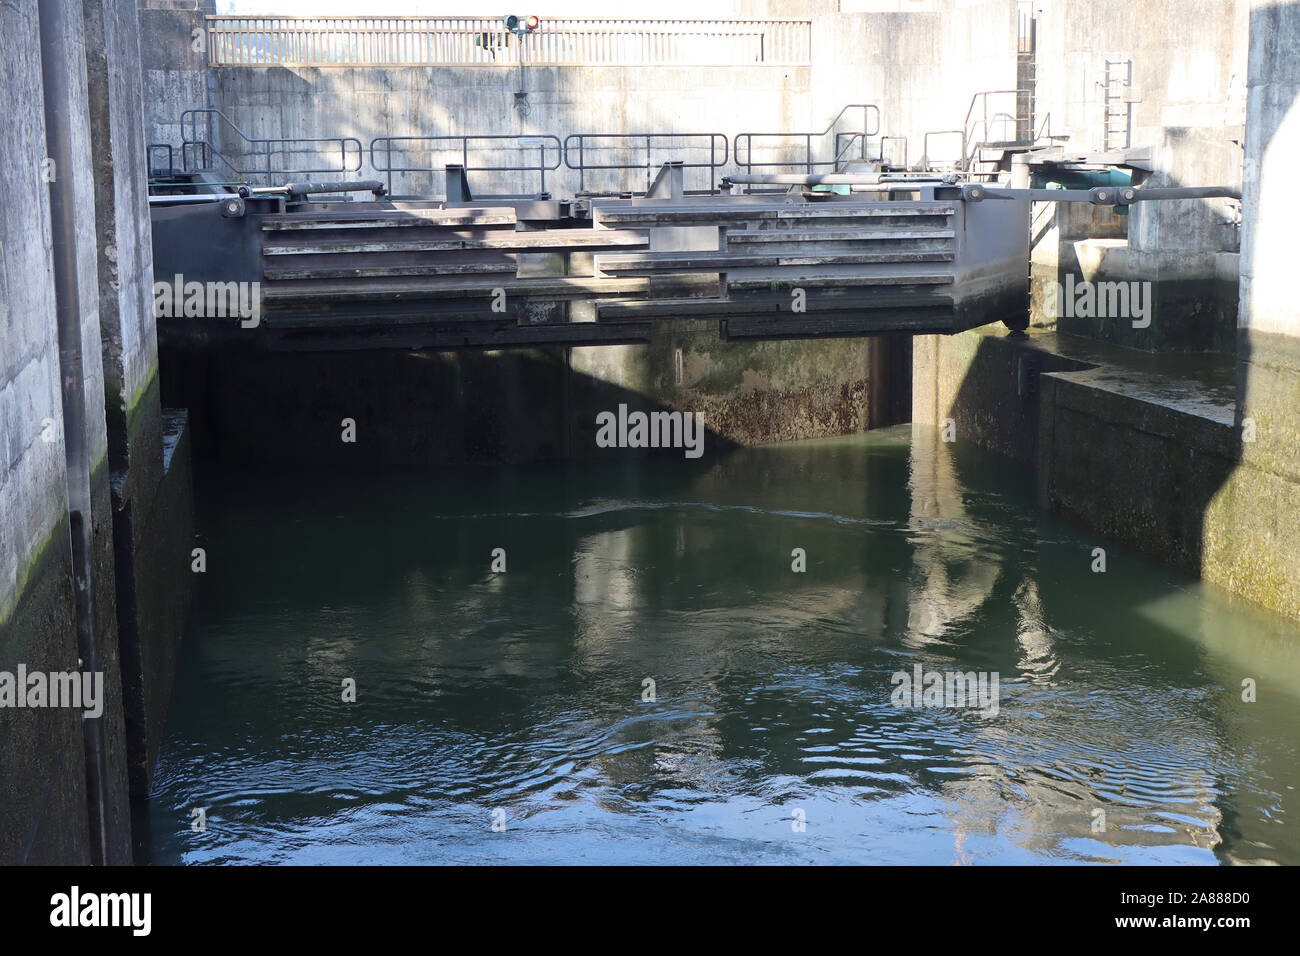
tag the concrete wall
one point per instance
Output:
(921, 67)
(421, 409)
(1195, 472)
(153, 580)
(45, 812)
(43, 815)
(1188, 83)
(1122, 446)
(175, 69)
(435, 101)
(1254, 521)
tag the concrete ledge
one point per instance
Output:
(1129, 445)
(1191, 302)
(1137, 470)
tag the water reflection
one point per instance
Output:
(770, 735)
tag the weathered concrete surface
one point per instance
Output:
(148, 500)
(748, 393)
(1188, 108)
(43, 818)
(154, 538)
(433, 101)
(1143, 451)
(983, 384)
(42, 752)
(1131, 448)
(1120, 454)
(919, 62)
(1254, 521)
(175, 73)
(1184, 308)
(44, 815)
(122, 218)
(81, 51)
(288, 409)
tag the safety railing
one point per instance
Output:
(604, 152)
(155, 170)
(601, 160)
(257, 156)
(893, 156)
(547, 149)
(1005, 123)
(484, 41)
(938, 159)
(796, 151)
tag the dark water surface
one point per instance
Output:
(772, 737)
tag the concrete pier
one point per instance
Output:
(67, 781)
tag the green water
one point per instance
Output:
(519, 699)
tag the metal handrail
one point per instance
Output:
(540, 142)
(171, 160)
(583, 142)
(927, 163)
(848, 139)
(869, 111)
(894, 139)
(968, 131)
(267, 146)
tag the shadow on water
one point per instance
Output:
(771, 736)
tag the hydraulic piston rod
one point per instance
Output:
(1099, 195)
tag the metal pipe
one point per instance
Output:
(172, 200)
(828, 179)
(57, 30)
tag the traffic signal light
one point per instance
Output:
(521, 25)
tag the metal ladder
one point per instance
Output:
(1118, 124)
(1026, 69)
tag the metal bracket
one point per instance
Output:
(668, 183)
(457, 185)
